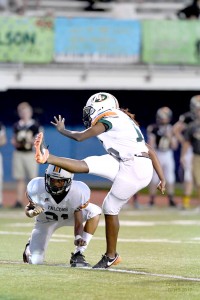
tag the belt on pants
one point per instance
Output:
(142, 154)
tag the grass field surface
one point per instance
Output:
(160, 250)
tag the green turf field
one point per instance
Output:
(160, 249)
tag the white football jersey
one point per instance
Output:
(123, 138)
(77, 198)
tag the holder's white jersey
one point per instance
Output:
(123, 138)
(77, 198)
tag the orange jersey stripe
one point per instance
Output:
(84, 205)
(105, 114)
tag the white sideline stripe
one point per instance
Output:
(115, 271)
(162, 212)
(156, 223)
(13, 233)
(153, 274)
(62, 238)
(132, 223)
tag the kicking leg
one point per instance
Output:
(43, 156)
(68, 164)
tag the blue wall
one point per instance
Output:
(58, 145)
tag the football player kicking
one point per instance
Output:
(57, 200)
(129, 161)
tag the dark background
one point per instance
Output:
(69, 103)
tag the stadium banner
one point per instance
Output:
(171, 42)
(97, 40)
(28, 40)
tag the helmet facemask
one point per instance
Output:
(87, 112)
(57, 180)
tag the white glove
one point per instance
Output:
(36, 211)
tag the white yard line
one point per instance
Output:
(130, 223)
(116, 271)
(62, 238)
(155, 275)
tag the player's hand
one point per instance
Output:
(59, 123)
(79, 241)
(161, 186)
(36, 211)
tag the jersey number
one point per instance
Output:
(115, 153)
(53, 217)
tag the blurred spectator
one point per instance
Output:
(19, 6)
(91, 6)
(24, 167)
(135, 201)
(192, 139)
(191, 11)
(3, 5)
(185, 168)
(25, 4)
(160, 137)
(3, 141)
(16, 6)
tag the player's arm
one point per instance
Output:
(177, 129)
(186, 144)
(78, 222)
(79, 136)
(151, 138)
(172, 137)
(3, 137)
(78, 228)
(14, 140)
(157, 168)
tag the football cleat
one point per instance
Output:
(78, 260)
(41, 152)
(26, 253)
(107, 262)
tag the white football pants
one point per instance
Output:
(42, 232)
(128, 178)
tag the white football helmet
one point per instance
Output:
(54, 172)
(97, 106)
(163, 115)
(194, 103)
